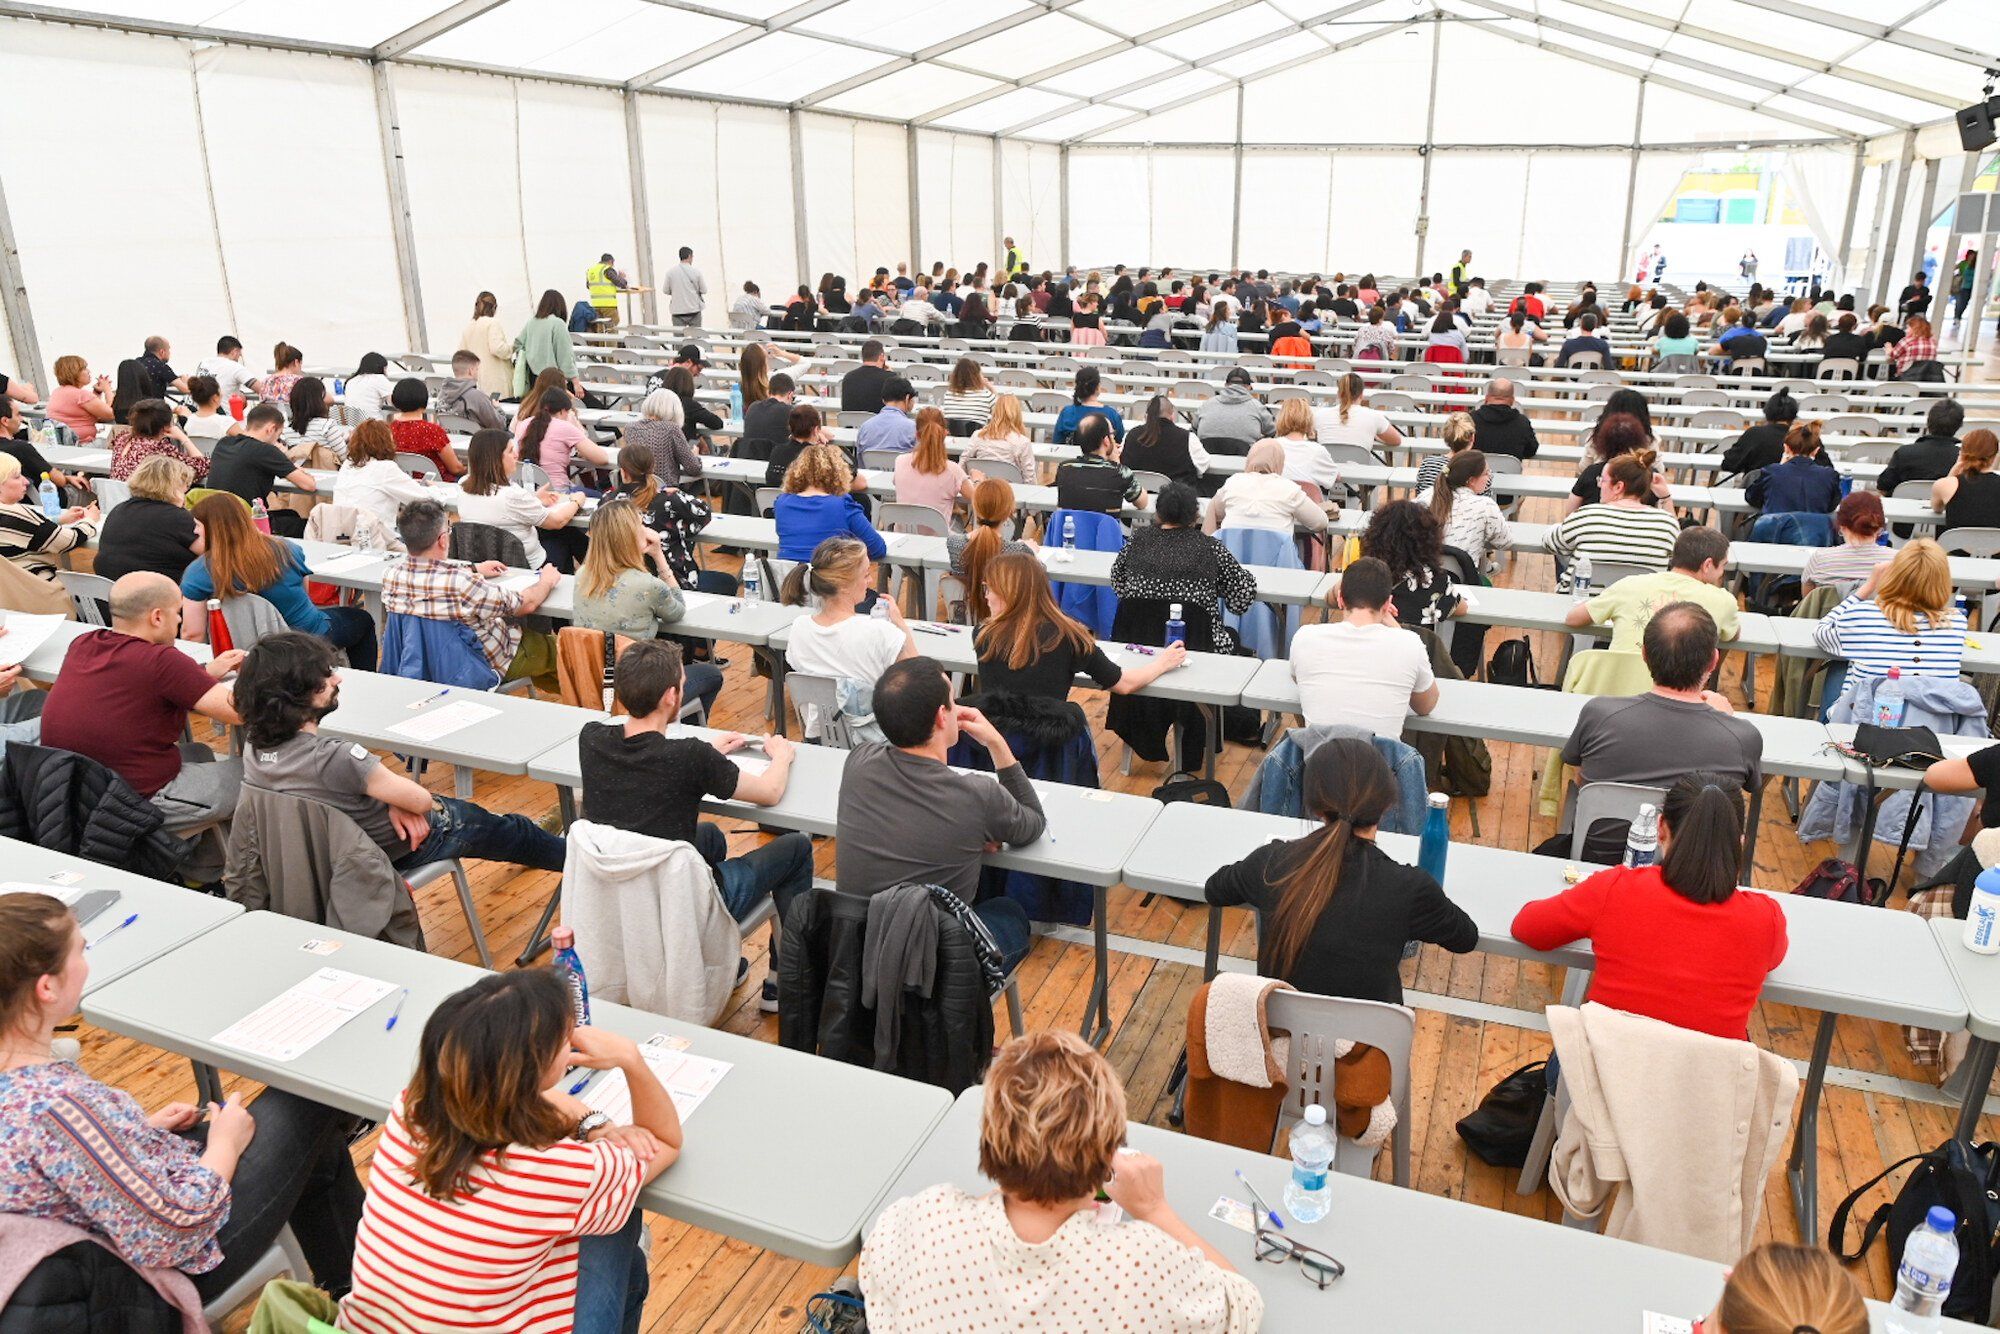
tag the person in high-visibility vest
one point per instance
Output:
(605, 282)
(1014, 261)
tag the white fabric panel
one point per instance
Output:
(576, 185)
(1373, 221)
(331, 222)
(753, 181)
(881, 198)
(1193, 209)
(460, 156)
(1285, 210)
(1574, 219)
(1031, 200)
(679, 138)
(1110, 207)
(105, 269)
(955, 199)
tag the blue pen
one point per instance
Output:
(1269, 1212)
(112, 932)
(396, 1013)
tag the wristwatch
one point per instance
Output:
(591, 1121)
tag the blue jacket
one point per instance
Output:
(1265, 630)
(1093, 604)
(446, 652)
(806, 521)
(1278, 787)
(1795, 486)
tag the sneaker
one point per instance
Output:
(768, 1002)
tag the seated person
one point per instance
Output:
(250, 464)
(1364, 670)
(636, 777)
(461, 396)
(1333, 910)
(210, 1204)
(287, 685)
(907, 817)
(1694, 574)
(839, 639)
(1677, 725)
(1035, 1254)
(123, 697)
(1095, 479)
(238, 561)
(1676, 941)
(822, 498)
(152, 530)
(485, 1122)
(1799, 483)
(432, 585)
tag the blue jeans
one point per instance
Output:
(461, 829)
(611, 1280)
(781, 870)
(1007, 921)
(353, 629)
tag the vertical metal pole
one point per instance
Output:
(14, 305)
(399, 206)
(1840, 261)
(1236, 218)
(642, 210)
(1062, 203)
(1926, 210)
(1968, 176)
(1631, 187)
(208, 186)
(1889, 243)
(916, 231)
(801, 249)
(1430, 146)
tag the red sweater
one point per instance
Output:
(1700, 966)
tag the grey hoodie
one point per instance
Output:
(464, 398)
(1234, 414)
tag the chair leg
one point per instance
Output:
(458, 878)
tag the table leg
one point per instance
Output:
(1979, 1062)
(1802, 1172)
(1096, 1027)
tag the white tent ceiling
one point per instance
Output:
(1182, 71)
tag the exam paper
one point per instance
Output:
(292, 1024)
(24, 635)
(436, 723)
(688, 1079)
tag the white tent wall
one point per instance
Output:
(955, 199)
(1031, 200)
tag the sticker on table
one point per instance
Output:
(439, 723)
(1233, 1212)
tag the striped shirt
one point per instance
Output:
(974, 405)
(1628, 535)
(1859, 632)
(1844, 567)
(500, 1255)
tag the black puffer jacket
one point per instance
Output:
(82, 1289)
(67, 803)
(945, 1040)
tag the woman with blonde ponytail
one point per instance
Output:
(1334, 910)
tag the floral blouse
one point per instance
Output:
(80, 1152)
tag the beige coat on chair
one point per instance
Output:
(1688, 1124)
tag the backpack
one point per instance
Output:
(1960, 1176)
(1501, 1128)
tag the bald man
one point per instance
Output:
(1498, 427)
(124, 694)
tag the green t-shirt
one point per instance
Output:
(1629, 604)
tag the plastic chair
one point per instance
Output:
(285, 1259)
(416, 465)
(90, 592)
(1315, 1024)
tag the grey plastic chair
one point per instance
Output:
(1316, 1023)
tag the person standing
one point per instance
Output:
(687, 292)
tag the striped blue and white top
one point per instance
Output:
(1858, 631)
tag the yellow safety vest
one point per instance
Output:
(603, 292)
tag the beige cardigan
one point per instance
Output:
(1690, 1124)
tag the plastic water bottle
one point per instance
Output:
(736, 401)
(1176, 627)
(570, 967)
(752, 589)
(1308, 1195)
(50, 497)
(1982, 919)
(259, 516)
(1436, 840)
(1069, 534)
(1642, 844)
(1923, 1280)
(1580, 581)
(1889, 700)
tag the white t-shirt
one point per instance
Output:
(365, 395)
(859, 648)
(1364, 426)
(1362, 675)
(512, 509)
(229, 374)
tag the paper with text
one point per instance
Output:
(306, 1014)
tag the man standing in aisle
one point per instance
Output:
(687, 293)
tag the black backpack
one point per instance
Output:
(1961, 1177)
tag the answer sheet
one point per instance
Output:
(305, 1015)
(688, 1079)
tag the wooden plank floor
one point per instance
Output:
(703, 1281)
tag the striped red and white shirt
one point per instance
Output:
(501, 1255)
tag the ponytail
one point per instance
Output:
(1704, 816)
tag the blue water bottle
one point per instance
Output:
(569, 967)
(1436, 840)
(1176, 627)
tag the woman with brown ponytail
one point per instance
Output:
(1333, 910)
